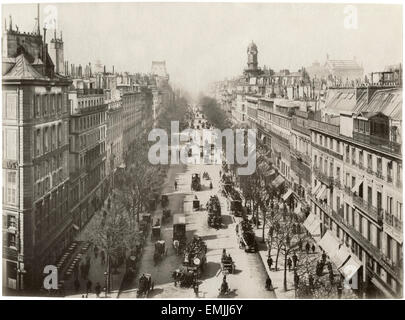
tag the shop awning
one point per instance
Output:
(312, 224)
(320, 192)
(346, 262)
(287, 194)
(350, 268)
(329, 243)
(322, 195)
(278, 181)
(357, 185)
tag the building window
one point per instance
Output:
(12, 240)
(11, 196)
(11, 221)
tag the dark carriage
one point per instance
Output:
(145, 285)
(160, 251)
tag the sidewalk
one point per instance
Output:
(277, 277)
(96, 274)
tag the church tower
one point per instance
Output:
(252, 56)
(56, 54)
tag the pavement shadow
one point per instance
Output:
(155, 292)
(210, 270)
(226, 221)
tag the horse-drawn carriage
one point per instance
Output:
(155, 232)
(194, 260)
(214, 212)
(236, 207)
(246, 237)
(196, 203)
(195, 182)
(166, 214)
(145, 285)
(227, 264)
(179, 232)
(186, 278)
(164, 200)
(206, 176)
(160, 251)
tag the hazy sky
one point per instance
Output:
(203, 42)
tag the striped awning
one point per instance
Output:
(320, 192)
(312, 224)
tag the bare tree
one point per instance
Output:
(110, 231)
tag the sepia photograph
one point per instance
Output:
(202, 150)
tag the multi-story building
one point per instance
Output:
(357, 187)
(87, 158)
(37, 225)
(114, 144)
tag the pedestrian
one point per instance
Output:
(98, 289)
(196, 289)
(88, 286)
(295, 259)
(307, 247)
(289, 263)
(313, 248)
(77, 285)
(237, 229)
(175, 185)
(269, 262)
(269, 284)
(296, 279)
(323, 256)
(102, 255)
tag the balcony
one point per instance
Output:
(370, 210)
(378, 142)
(393, 221)
(325, 127)
(324, 178)
(330, 151)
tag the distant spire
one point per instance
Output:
(11, 23)
(38, 23)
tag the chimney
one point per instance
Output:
(113, 70)
(104, 69)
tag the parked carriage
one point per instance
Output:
(145, 285)
(214, 218)
(179, 231)
(155, 232)
(195, 182)
(246, 237)
(160, 251)
(164, 200)
(166, 214)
